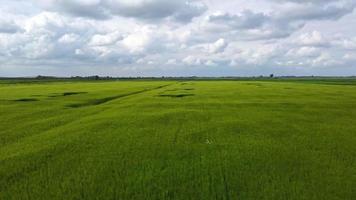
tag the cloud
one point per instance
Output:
(304, 52)
(218, 46)
(9, 27)
(105, 39)
(69, 38)
(177, 37)
(172, 62)
(146, 39)
(192, 60)
(148, 10)
(314, 38)
(83, 8)
(346, 43)
(244, 20)
(47, 36)
(250, 25)
(281, 23)
(316, 10)
(157, 9)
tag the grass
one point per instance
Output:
(178, 140)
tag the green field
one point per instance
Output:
(178, 140)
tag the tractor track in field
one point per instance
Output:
(95, 102)
(86, 104)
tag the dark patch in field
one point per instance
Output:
(67, 94)
(156, 88)
(186, 83)
(270, 105)
(26, 100)
(171, 90)
(178, 89)
(255, 84)
(95, 102)
(73, 93)
(175, 95)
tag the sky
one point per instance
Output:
(177, 37)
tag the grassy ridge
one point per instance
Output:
(177, 140)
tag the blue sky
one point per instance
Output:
(177, 38)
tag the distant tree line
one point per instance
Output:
(97, 77)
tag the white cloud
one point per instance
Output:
(69, 38)
(172, 62)
(218, 46)
(191, 60)
(314, 38)
(210, 63)
(305, 52)
(106, 39)
(138, 41)
(348, 43)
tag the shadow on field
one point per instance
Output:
(186, 83)
(172, 90)
(179, 89)
(95, 102)
(255, 84)
(26, 100)
(67, 94)
(176, 95)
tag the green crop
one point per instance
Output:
(178, 140)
